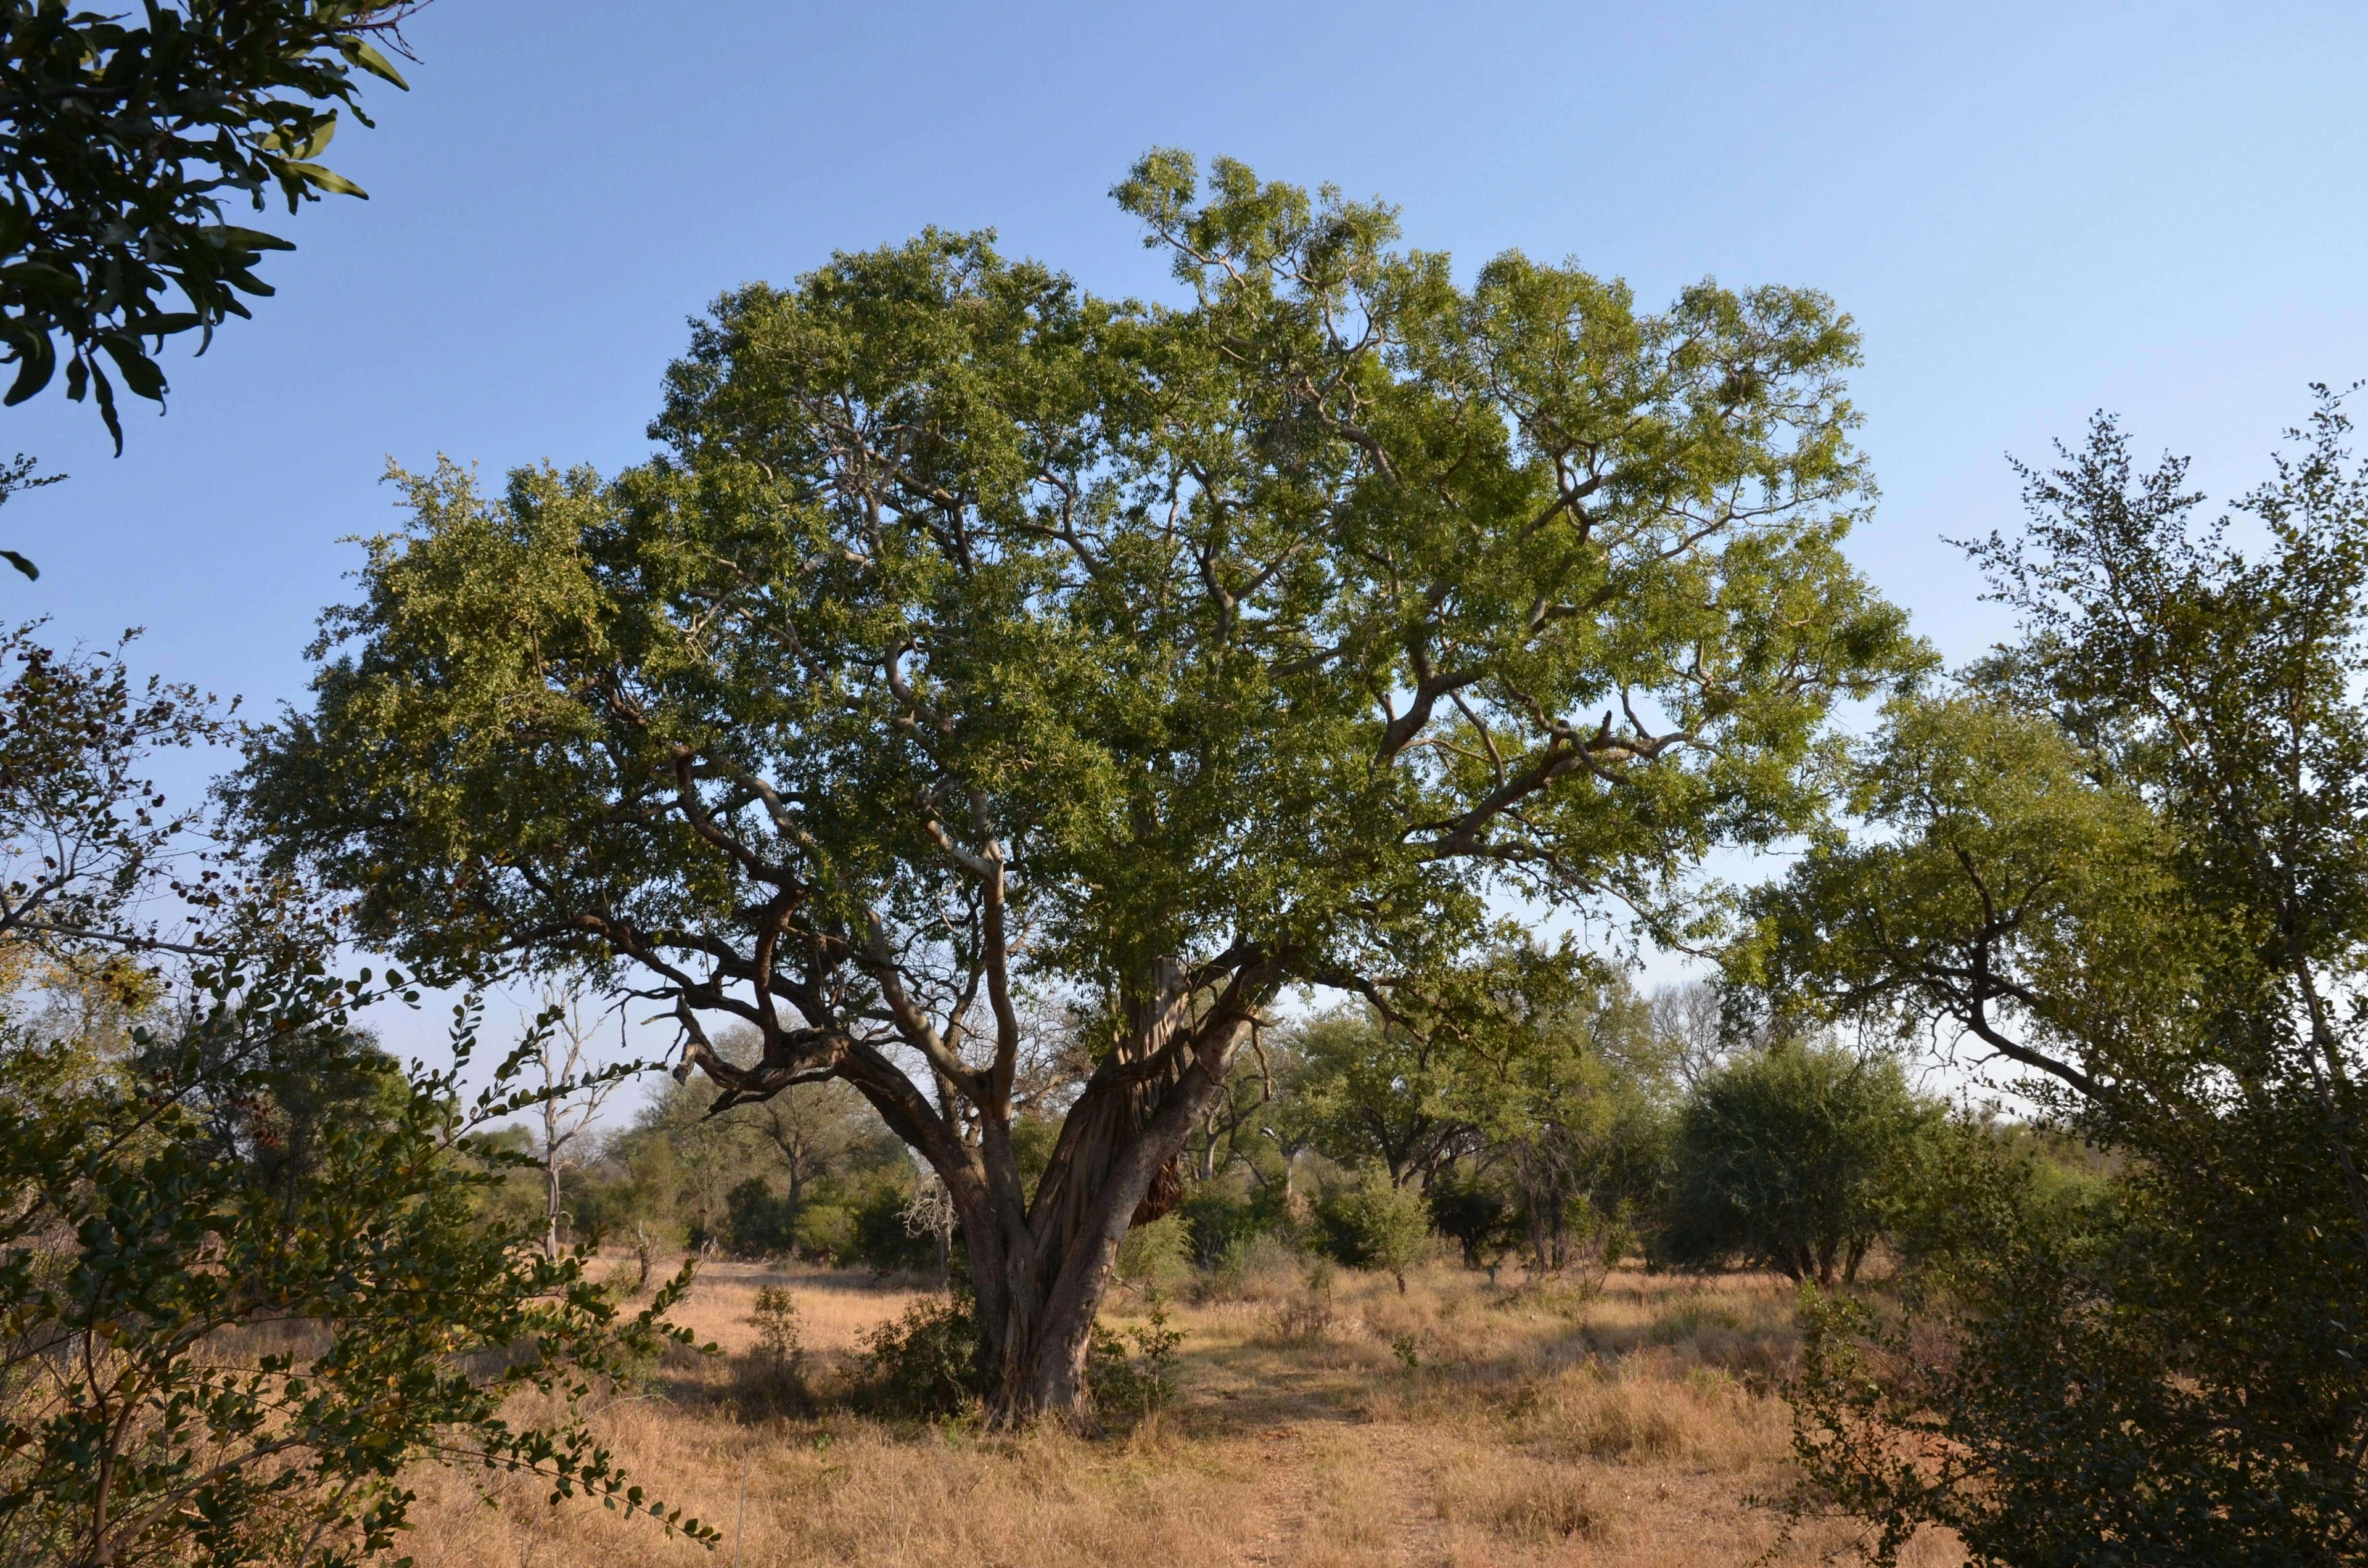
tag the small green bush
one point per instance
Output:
(925, 1364)
(1480, 1216)
(756, 1222)
(826, 1230)
(771, 1377)
(1139, 1384)
(883, 1242)
(1370, 1223)
(1220, 1219)
(1793, 1158)
(1155, 1257)
(775, 1319)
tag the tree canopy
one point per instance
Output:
(2126, 856)
(974, 632)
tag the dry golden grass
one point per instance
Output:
(1532, 1428)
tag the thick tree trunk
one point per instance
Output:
(1041, 1274)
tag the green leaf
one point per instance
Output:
(323, 134)
(38, 362)
(140, 372)
(19, 277)
(327, 179)
(165, 323)
(21, 564)
(371, 61)
(226, 236)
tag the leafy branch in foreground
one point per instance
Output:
(245, 1282)
(121, 141)
(2129, 860)
(246, 1272)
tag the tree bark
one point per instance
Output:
(551, 1207)
(1041, 1272)
(1040, 1265)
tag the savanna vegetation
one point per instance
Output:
(1090, 782)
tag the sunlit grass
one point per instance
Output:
(1456, 1424)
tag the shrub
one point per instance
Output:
(249, 1309)
(862, 1224)
(1479, 1216)
(1371, 1223)
(1259, 1262)
(885, 1239)
(1153, 1258)
(1308, 1316)
(1594, 1240)
(756, 1222)
(925, 1363)
(1138, 1384)
(1216, 1221)
(826, 1230)
(775, 1319)
(1791, 1159)
(772, 1374)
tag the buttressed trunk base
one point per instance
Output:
(1116, 1165)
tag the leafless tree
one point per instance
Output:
(1686, 1016)
(572, 1091)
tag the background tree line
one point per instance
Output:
(1625, 1129)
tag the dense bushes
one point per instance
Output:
(1370, 1222)
(2125, 855)
(1793, 1158)
(250, 1266)
(925, 1363)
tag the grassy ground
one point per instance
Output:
(1635, 1429)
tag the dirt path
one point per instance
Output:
(1397, 1452)
(1286, 1502)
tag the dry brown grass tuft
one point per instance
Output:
(1522, 1500)
(1454, 1425)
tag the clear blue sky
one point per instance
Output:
(2032, 211)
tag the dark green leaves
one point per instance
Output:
(122, 143)
(2128, 859)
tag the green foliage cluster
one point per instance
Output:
(233, 1307)
(2126, 856)
(1793, 1158)
(246, 1273)
(772, 1375)
(808, 1173)
(1372, 1222)
(1139, 1383)
(124, 137)
(926, 1363)
(972, 631)
(1575, 1140)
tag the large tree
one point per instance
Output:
(972, 631)
(2128, 861)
